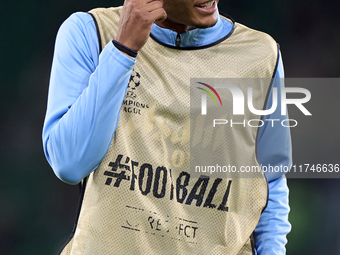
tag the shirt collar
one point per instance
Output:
(196, 37)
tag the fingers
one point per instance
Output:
(136, 20)
(149, 1)
(154, 5)
(159, 14)
(155, 8)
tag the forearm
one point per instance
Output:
(79, 140)
(83, 113)
(271, 231)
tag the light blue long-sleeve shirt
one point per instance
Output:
(88, 88)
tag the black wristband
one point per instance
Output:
(125, 49)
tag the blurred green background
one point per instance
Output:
(37, 210)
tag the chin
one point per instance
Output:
(205, 24)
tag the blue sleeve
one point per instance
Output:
(85, 96)
(274, 149)
(274, 142)
(271, 231)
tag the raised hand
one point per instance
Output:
(136, 20)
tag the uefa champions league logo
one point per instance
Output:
(132, 103)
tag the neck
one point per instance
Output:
(179, 28)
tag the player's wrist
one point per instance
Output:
(126, 50)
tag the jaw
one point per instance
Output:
(200, 15)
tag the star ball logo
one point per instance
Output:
(130, 105)
(134, 81)
(239, 102)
